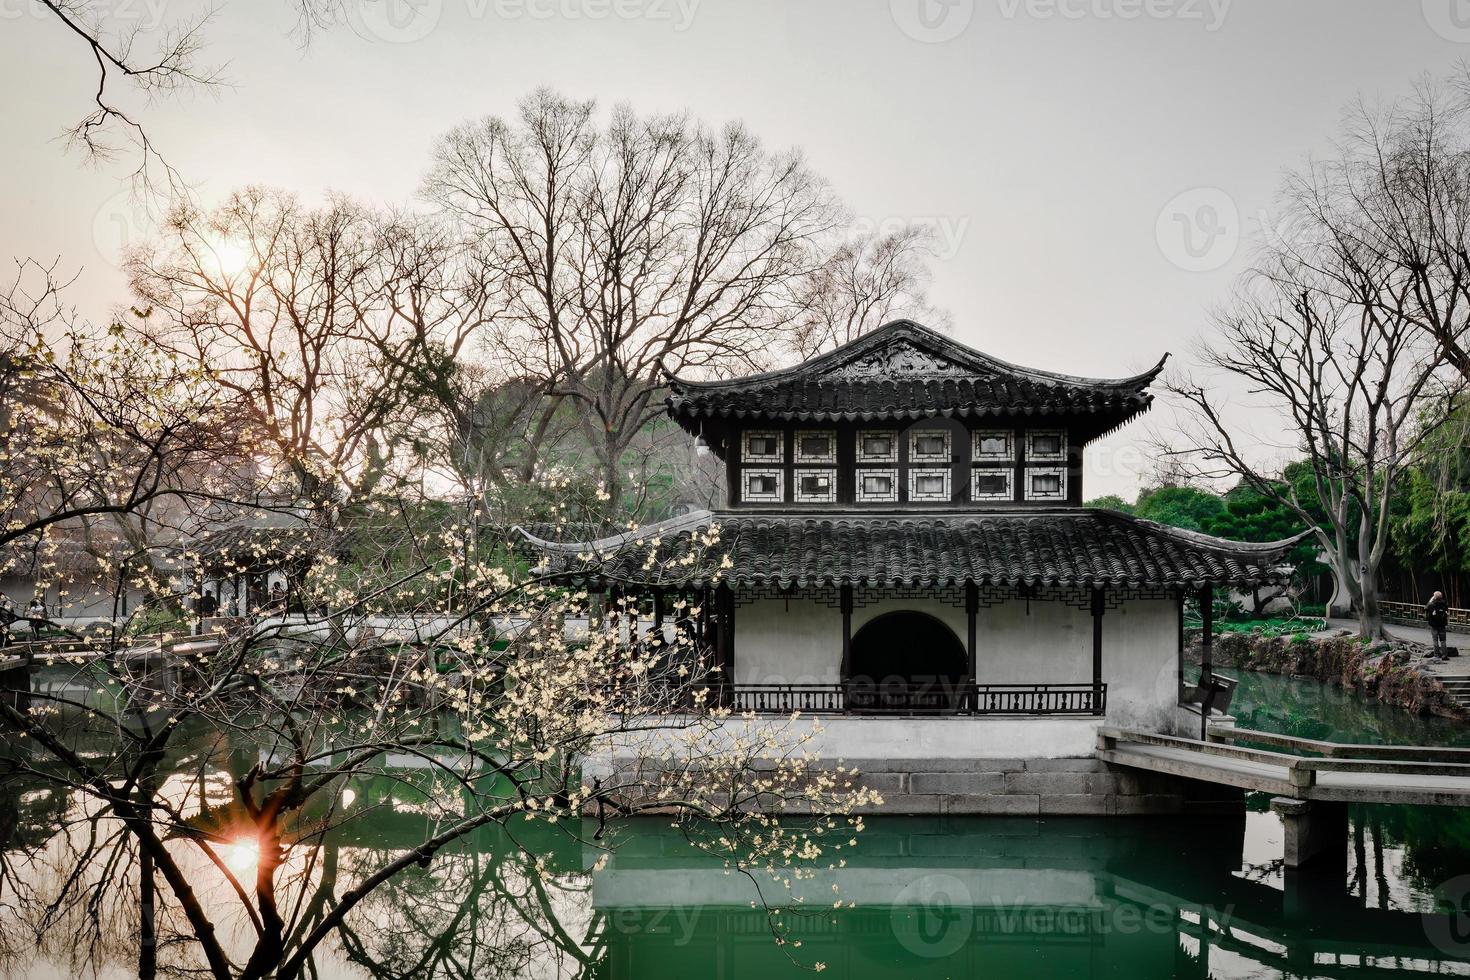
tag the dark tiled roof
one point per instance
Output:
(1071, 547)
(904, 370)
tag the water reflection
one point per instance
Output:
(929, 897)
(917, 897)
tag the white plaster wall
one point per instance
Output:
(788, 641)
(1043, 641)
(1040, 641)
(1140, 665)
(70, 599)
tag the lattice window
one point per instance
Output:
(1046, 445)
(929, 485)
(867, 595)
(763, 486)
(877, 446)
(877, 486)
(991, 484)
(816, 446)
(760, 446)
(993, 446)
(816, 486)
(1046, 483)
(929, 446)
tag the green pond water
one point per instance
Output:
(933, 897)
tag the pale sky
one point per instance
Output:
(1048, 141)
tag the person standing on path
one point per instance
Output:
(1437, 615)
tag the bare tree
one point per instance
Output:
(647, 244)
(1393, 205)
(132, 57)
(864, 283)
(1352, 386)
(323, 325)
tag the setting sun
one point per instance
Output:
(242, 855)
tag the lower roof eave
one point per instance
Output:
(786, 583)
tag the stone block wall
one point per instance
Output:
(1035, 787)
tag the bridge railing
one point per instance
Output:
(1342, 750)
(1301, 771)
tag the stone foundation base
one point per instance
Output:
(1036, 787)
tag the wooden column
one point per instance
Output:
(844, 603)
(630, 612)
(1179, 654)
(972, 607)
(1098, 607)
(725, 640)
(703, 630)
(1207, 642)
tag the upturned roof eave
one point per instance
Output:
(951, 348)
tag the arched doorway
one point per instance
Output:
(905, 661)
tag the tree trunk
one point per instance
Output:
(147, 918)
(1345, 577)
(612, 453)
(1370, 614)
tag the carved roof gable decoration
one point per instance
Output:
(899, 359)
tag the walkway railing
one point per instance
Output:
(877, 698)
(1409, 614)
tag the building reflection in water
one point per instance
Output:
(920, 897)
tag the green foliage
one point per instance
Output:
(1186, 507)
(1432, 532)
(1243, 513)
(1110, 502)
(1293, 626)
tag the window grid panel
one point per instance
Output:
(1045, 475)
(929, 485)
(763, 486)
(890, 456)
(988, 475)
(868, 494)
(754, 455)
(828, 454)
(824, 493)
(1035, 453)
(1004, 453)
(919, 452)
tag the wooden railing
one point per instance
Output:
(858, 698)
(1409, 614)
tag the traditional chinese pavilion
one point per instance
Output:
(904, 548)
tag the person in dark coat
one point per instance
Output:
(207, 605)
(36, 614)
(1437, 615)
